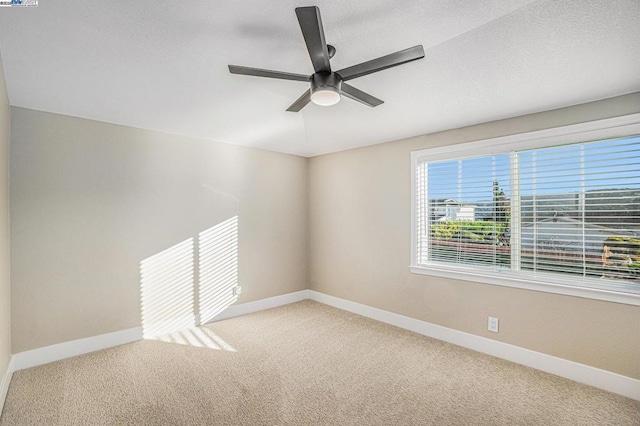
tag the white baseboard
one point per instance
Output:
(261, 305)
(48, 354)
(64, 350)
(588, 375)
(4, 383)
(592, 376)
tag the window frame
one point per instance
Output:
(583, 132)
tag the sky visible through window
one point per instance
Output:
(611, 164)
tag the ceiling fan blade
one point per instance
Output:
(382, 63)
(360, 96)
(301, 102)
(257, 72)
(311, 26)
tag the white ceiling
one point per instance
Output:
(162, 65)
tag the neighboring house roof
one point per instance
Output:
(449, 202)
(564, 220)
(566, 234)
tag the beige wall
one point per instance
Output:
(359, 204)
(91, 201)
(5, 292)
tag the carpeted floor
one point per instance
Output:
(302, 364)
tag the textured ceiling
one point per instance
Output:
(162, 65)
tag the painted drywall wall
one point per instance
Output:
(359, 206)
(92, 203)
(5, 286)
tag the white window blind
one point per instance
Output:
(466, 211)
(570, 213)
(580, 209)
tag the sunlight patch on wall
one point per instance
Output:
(167, 290)
(184, 286)
(218, 274)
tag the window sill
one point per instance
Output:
(526, 283)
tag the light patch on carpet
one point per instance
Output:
(197, 337)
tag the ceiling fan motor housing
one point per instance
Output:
(325, 88)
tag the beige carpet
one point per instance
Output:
(302, 364)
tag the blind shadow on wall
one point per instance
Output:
(188, 284)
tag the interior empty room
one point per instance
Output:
(330, 213)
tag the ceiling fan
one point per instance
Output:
(327, 85)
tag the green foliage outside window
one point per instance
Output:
(482, 232)
(621, 255)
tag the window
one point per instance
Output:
(556, 210)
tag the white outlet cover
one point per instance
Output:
(493, 324)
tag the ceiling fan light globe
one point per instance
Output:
(325, 97)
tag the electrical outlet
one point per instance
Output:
(493, 324)
(237, 290)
